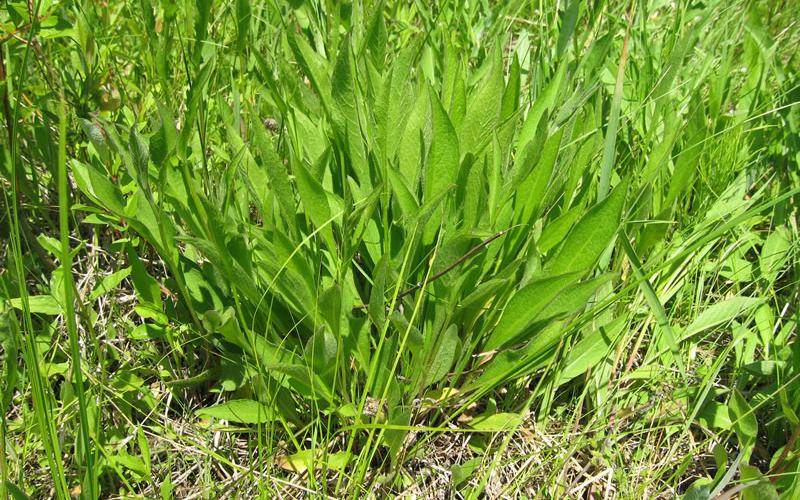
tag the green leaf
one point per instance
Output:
(483, 106)
(197, 93)
(774, 253)
(542, 103)
(443, 160)
(406, 201)
(201, 27)
(764, 489)
(140, 156)
(202, 292)
(39, 304)
(314, 66)
(720, 313)
(715, 416)
(243, 411)
(164, 141)
(443, 356)
(569, 19)
(141, 440)
(590, 350)
(531, 192)
(744, 420)
(146, 287)
(591, 235)
(278, 176)
(109, 282)
(396, 104)
(98, 188)
(573, 299)
(320, 352)
(377, 300)
(345, 113)
(508, 109)
(699, 490)
(555, 230)
(524, 308)
(497, 423)
(314, 198)
(375, 42)
(98, 139)
(413, 141)
(15, 491)
(304, 460)
(461, 472)
(243, 12)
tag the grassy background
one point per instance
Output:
(423, 248)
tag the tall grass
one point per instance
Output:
(395, 248)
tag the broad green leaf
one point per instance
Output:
(203, 293)
(470, 194)
(442, 357)
(531, 192)
(524, 308)
(414, 140)
(715, 416)
(590, 350)
(573, 298)
(462, 472)
(97, 137)
(483, 107)
(774, 253)
(555, 230)
(304, 460)
(376, 40)
(197, 93)
(165, 140)
(201, 23)
(278, 176)
(226, 325)
(345, 113)
(720, 313)
(320, 352)
(541, 104)
(147, 288)
(98, 188)
(513, 363)
(130, 463)
(15, 491)
(497, 423)
(314, 198)
(405, 199)
(481, 294)
(443, 160)
(764, 489)
(140, 157)
(591, 235)
(330, 306)
(243, 14)
(39, 304)
(508, 109)
(396, 104)
(243, 411)
(569, 19)
(743, 420)
(109, 282)
(377, 300)
(700, 489)
(314, 66)
(254, 176)
(451, 70)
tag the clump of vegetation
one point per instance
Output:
(397, 248)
